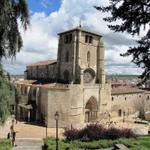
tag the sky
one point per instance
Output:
(49, 17)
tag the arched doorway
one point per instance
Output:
(91, 109)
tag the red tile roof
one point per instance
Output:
(42, 63)
(125, 90)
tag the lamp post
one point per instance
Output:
(57, 118)
(46, 127)
(124, 116)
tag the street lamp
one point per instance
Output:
(46, 127)
(56, 118)
(124, 116)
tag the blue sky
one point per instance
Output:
(46, 6)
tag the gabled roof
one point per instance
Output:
(125, 90)
(80, 29)
(42, 63)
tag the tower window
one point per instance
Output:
(88, 39)
(70, 38)
(67, 57)
(66, 39)
(112, 98)
(88, 57)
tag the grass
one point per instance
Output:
(141, 143)
(5, 144)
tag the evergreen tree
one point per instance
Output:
(10, 38)
(135, 15)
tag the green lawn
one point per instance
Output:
(5, 144)
(141, 143)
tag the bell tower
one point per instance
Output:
(80, 57)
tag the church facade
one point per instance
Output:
(74, 84)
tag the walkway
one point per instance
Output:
(30, 137)
(28, 144)
(34, 131)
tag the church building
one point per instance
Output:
(74, 85)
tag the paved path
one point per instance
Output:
(28, 144)
(34, 131)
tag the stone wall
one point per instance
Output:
(127, 103)
(58, 100)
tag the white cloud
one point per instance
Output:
(40, 40)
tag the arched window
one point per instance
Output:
(67, 56)
(112, 98)
(66, 76)
(88, 57)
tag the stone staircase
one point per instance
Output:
(28, 144)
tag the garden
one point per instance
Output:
(95, 136)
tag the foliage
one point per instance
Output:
(10, 38)
(132, 16)
(5, 144)
(140, 143)
(9, 94)
(96, 132)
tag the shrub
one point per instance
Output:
(112, 133)
(127, 133)
(71, 134)
(96, 132)
(93, 132)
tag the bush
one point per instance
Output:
(112, 133)
(72, 134)
(95, 132)
(92, 132)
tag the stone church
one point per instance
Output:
(74, 84)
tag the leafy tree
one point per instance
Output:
(9, 94)
(11, 11)
(134, 15)
(10, 38)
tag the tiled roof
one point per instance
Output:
(42, 63)
(34, 83)
(125, 90)
(26, 82)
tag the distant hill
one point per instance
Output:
(122, 77)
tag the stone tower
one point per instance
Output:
(80, 57)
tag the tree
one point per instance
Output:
(134, 15)
(10, 38)
(11, 11)
(9, 95)
(142, 106)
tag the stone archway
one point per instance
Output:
(91, 109)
